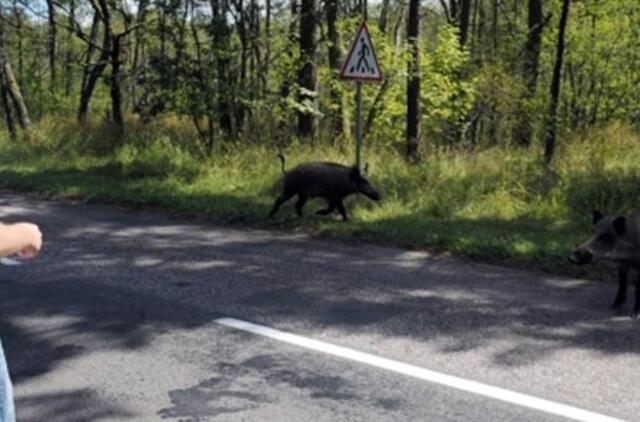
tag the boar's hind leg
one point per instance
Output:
(636, 306)
(302, 199)
(621, 296)
(342, 210)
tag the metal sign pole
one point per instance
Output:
(363, 4)
(359, 124)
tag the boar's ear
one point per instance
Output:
(620, 225)
(597, 216)
(354, 173)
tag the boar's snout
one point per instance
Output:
(373, 194)
(580, 256)
(369, 191)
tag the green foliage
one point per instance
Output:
(604, 40)
(447, 94)
(499, 103)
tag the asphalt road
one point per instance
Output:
(118, 320)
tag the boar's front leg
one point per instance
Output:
(276, 205)
(621, 296)
(636, 306)
(342, 210)
(286, 195)
(302, 199)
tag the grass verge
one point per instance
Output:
(498, 205)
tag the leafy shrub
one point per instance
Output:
(159, 158)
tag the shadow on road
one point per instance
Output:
(110, 279)
(75, 405)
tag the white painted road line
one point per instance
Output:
(479, 388)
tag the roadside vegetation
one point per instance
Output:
(501, 204)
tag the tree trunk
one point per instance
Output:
(552, 125)
(494, 29)
(255, 55)
(8, 116)
(474, 27)
(383, 20)
(241, 25)
(453, 10)
(531, 61)
(116, 93)
(364, 9)
(339, 119)
(530, 65)
(463, 22)
(19, 26)
(206, 136)
(221, 44)
(331, 10)
(492, 128)
(137, 49)
(480, 43)
(285, 88)
(267, 48)
(162, 28)
(52, 42)
(413, 82)
(307, 74)
(10, 82)
(85, 89)
(68, 61)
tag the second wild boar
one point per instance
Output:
(615, 239)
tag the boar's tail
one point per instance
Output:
(281, 157)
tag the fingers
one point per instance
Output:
(31, 239)
(28, 253)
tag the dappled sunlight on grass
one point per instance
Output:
(495, 204)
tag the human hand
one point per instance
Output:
(31, 239)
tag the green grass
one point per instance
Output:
(498, 205)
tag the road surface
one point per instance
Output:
(139, 316)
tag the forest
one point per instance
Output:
(499, 126)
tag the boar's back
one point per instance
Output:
(319, 179)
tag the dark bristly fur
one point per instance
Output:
(330, 181)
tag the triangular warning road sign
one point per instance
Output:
(361, 63)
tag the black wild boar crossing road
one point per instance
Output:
(131, 316)
(331, 181)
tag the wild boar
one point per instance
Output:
(615, 239)
(330, 181)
